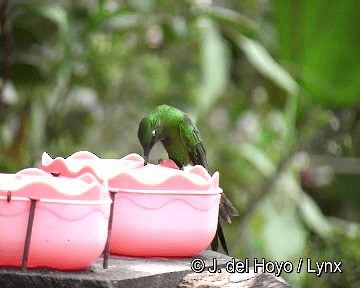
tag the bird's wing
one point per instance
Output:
(190, 135)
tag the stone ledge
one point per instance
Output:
(232, 280)
(129, 272)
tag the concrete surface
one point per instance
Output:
(123, 272)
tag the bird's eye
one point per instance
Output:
(153, 133)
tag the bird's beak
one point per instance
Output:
(147, 150)
(146, 158)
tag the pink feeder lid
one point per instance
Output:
(86, 162)
(165, 177)
(34, 183)
(129, 174)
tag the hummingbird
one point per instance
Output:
(184, 145)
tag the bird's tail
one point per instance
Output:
(219, 236)
(226, 210)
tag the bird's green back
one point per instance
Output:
(180, 137)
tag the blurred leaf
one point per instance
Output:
(156, 70)
(321, 42)
(258, 158)
(53, 12)
(215, 65)
(25, 31)
(35, 23)
(266, 65)
(290, 116)
(283, 243)
(230, 17)
(350, 229)
(122, 19)
(26, 74)
(55, 96)
(125, 21)
(313, 216)
(142, 6)
(270, 229)
(309, 209)
(37, 126)
(7, 135)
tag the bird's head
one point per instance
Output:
(148, 135)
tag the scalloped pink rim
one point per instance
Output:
(86, 155)
(198, 184)
(168, 192)
(26, 183)
(62, 164)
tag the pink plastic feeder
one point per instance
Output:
(158, 210)
(70, 222)
(161, 211)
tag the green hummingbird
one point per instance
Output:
(182, 141)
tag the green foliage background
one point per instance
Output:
(273, 86)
